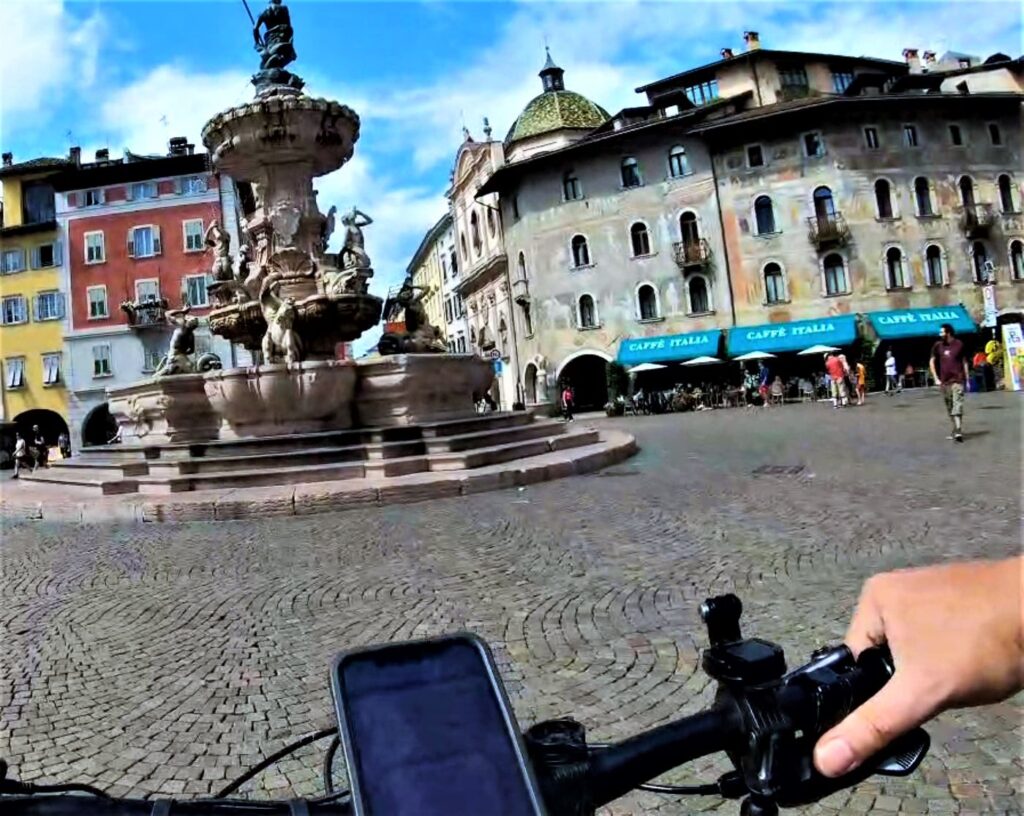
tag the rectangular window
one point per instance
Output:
(49, 306)
(13, 261)
(755, 156)
(141, 190)
(46, 256)
(15, 370)
(143, 242)
(793, 76)
(910, 136)
(995, 134)
(95, 248)
(152, 354)
(841, 80)
(147, 290)
(92, 198)
(51, 369)
(15, 310)
(97, 298)
(871, 138)
(813, 145)
(956, 136)
(193, 235)
(192, 185)
(195, 290)
(101, 366)
(37, 202)
(703, 93)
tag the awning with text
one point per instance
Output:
(669, 348)
(898, 323)
(837, 330)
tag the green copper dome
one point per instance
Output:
(555, 109)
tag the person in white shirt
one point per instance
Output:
(20, 455)
(892, 382)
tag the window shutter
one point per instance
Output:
(74, 200)
(58, 253)
(178, 186)
(102, 195)
(157, 248)
(35, 307)
(129, 192)
(36, 259)
(131, 242)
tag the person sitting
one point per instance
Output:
(777, 391)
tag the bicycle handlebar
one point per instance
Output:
(766, 720)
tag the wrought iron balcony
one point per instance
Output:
(976, 219)
(146, 314)
(692, 254)
(828, 230)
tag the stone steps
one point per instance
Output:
(262, 477)
(98, 484)
(500, 454)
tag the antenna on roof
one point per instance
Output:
(70, 136)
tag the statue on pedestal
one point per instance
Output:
(353, 263)
(276, 47)
(219, 238)
(182, 345)
(420, 337)
(281, 340)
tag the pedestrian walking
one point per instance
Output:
(862, 382)
(763, 380)
(42, 450)
(892, 383)
(948, 366)
(20, 455)
(567, 403)
(837, 374)
(64, 444)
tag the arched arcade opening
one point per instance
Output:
(99, 427)
(585, 372)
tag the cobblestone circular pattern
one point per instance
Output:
(167, 658)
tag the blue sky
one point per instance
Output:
(134, 73)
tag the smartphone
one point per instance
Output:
(427, 730)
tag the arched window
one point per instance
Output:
(774, 284)
(933, 266)
(967, 191)
(979, 258)
(527, 318)
(647, 302)
(678, 164)
(895, 277)
(521, 264)
(630, 172)
(491, 222)
(462, 243)
(580, 251)
(923, 196)
(883, 199)
(824, 205)
(588, 314)
(640, 239)
(700, 302)
(764, 214)
(1006, 194)
(503, 335)
(688, 229)
(474, 233)
(571, 186)
(1017, 260)
(835, 275)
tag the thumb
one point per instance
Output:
(894, 710)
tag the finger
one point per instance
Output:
(866, 626)
(897, 708)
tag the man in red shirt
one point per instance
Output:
(837, 374)
(948, 365)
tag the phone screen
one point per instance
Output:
(426, 733)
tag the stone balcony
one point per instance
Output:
(148, 314)
(690, 255)
(976, 219)
(828, 230)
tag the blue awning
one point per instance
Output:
(669, 348)
(920, 322)
(838, 330)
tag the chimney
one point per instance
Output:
(752, 40)
(102, 155)
(177, 146)
(929, 57)
(726, 53)
(8, 159)
(913, 62)
(75, 154)
(191, 149)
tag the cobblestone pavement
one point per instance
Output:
(167, 658)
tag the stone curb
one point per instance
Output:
(330, 497)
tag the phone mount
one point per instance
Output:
(784, 714)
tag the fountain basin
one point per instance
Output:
(277, 399)
(164, 409)
(409, 389)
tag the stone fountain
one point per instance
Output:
(286, 297)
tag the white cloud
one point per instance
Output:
(47, 54)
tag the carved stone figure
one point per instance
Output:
(281, 339)
(182, 345)
(275, 44)
(219, 238)
(353, 252)
(244, 259)
(420, 336)
(327, 229)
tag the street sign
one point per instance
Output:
(497, 366)
(988, 293)
(494, 354)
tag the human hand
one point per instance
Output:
(955, 633)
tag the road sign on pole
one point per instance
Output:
(497, 366)
(494, 354)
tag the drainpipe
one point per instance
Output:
(725, 246)
(757, 81)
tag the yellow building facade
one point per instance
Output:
(425, 270)
(33, 303)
